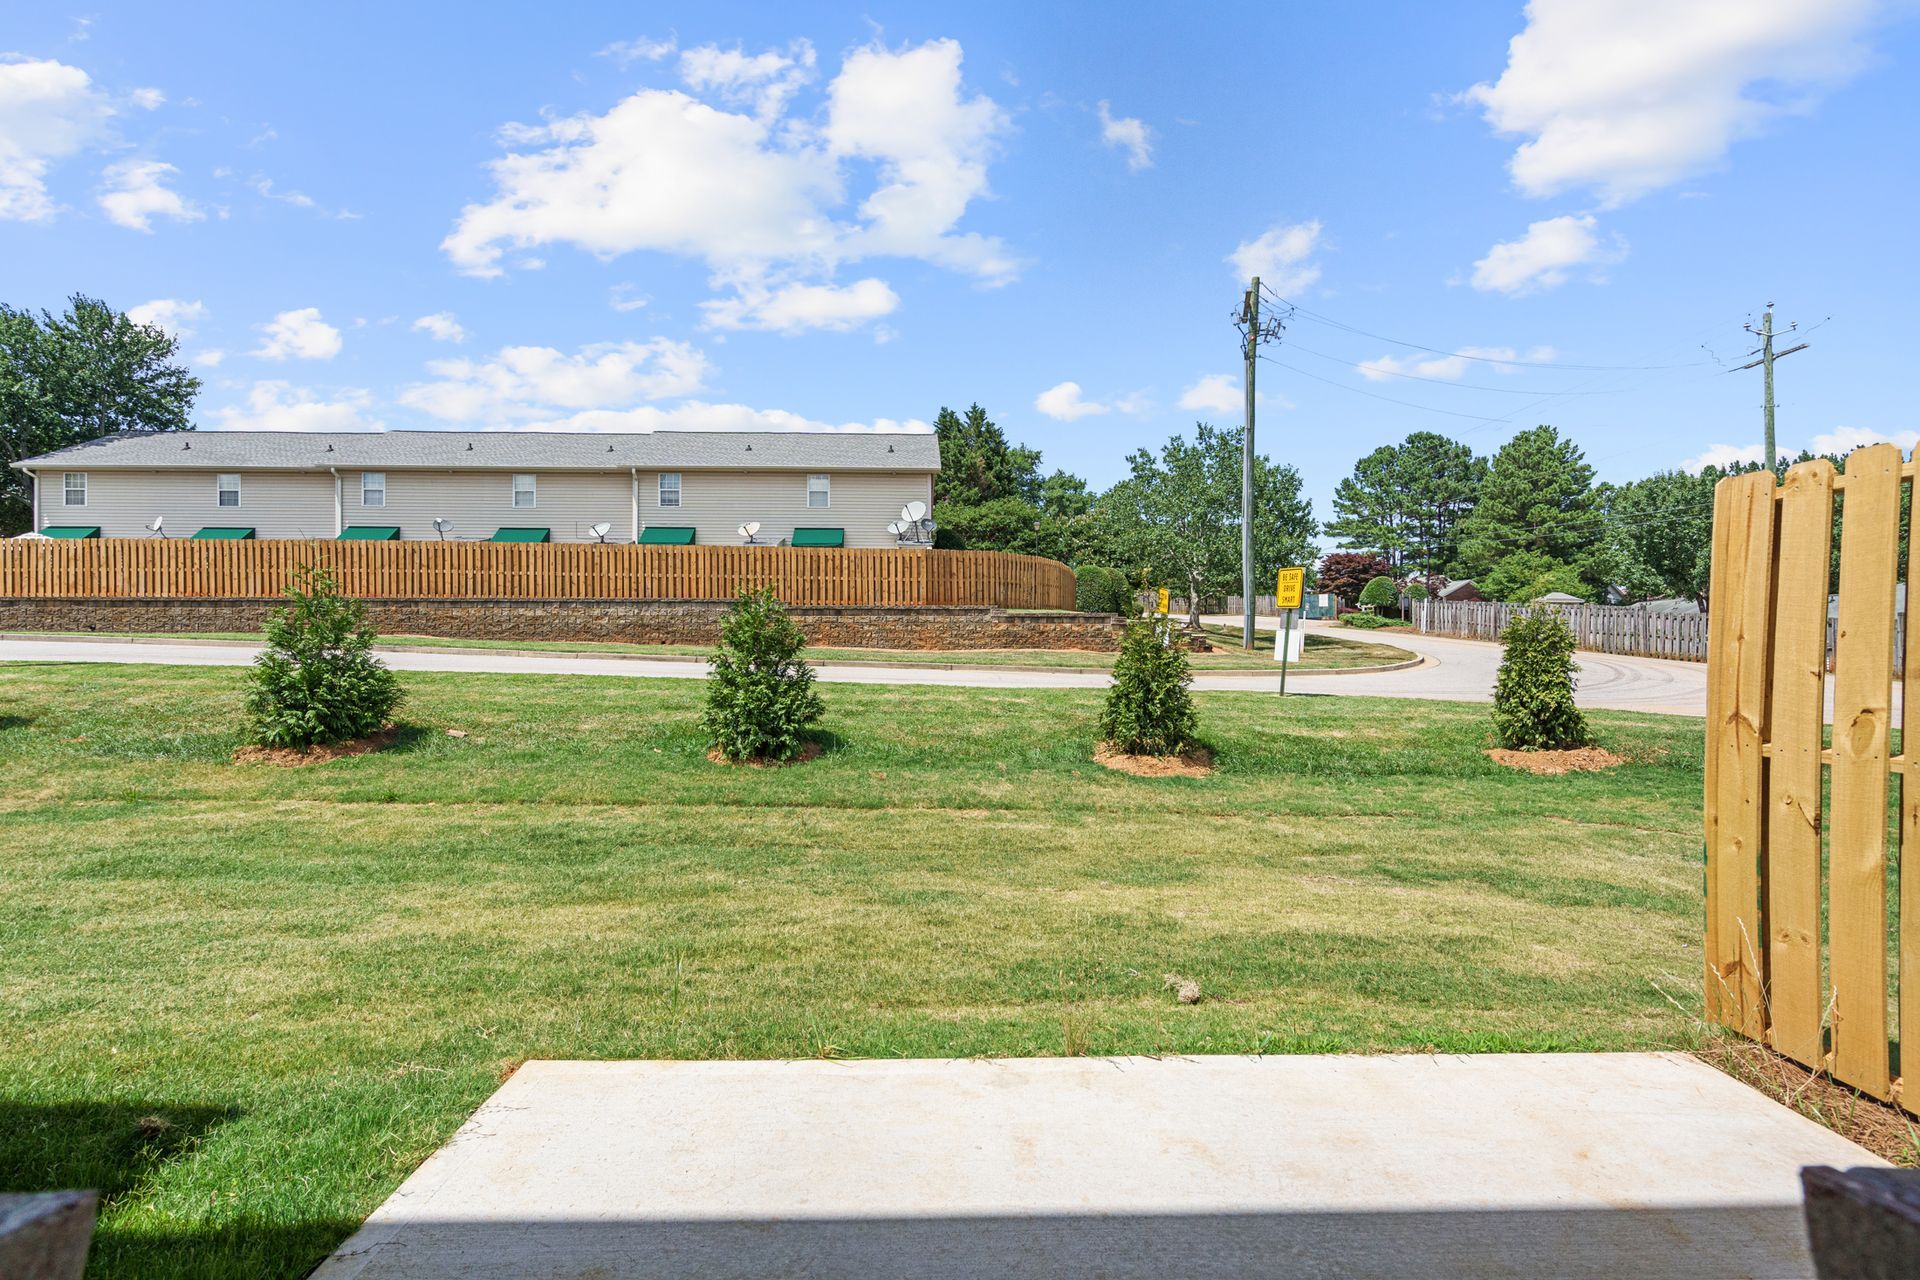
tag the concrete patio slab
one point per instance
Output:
(1522, 1165)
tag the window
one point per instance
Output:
(819, 491)
(373, 488)
(76, 488)
(669, 488)
(523, 492)
(228, 486)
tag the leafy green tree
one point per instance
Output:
(1178, 516)
(1524, 576)
(1660, 534)
(990, 495)
(1404, 502)
(1379, 594)
(317, 680)
(1149, 708)
(760, 698)
(977, 464)
(1539, 497)
(77, 376)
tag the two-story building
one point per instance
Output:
(668, 487)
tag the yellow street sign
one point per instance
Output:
(1287, 588)
(1163, 600)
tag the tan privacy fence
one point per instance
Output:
(177, 569)
(1813, 935)
(1601, 628)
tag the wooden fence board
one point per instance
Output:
(175, 568)
(1862, 720)
(1740, 597)
(1621, 629)
(1797, 710)
(1907, 1087)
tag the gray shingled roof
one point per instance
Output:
(503, 450)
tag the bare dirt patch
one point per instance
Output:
(291, 757)
(1194, 762)
(808, 751)
(1554, 763)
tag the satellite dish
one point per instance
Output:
(746, 533)
(753, 527)
(159, 522)
(916, 510)
(440, 526)
(600, 530)
(896, 528)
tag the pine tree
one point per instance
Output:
(1538, 496)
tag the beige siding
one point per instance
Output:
(277, 504)
(301, 505)
(717, 503)
(478, 502)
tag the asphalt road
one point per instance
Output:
(1453, 670)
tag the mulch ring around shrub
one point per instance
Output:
(808, 751)
(289, 757)
(1194, 762)
(1554, 763)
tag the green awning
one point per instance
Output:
(520, 535)
(661, 535)
(370, 533)
(819, 538)
(71, 531)
(220, 533)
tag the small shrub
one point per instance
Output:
(1099, 589)
(317, 682)
(1149, 710)
(1365, 621)
(1379, 593)
(760, 698)
(1533, 706)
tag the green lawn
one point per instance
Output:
(1322, 652)
(247, 1001)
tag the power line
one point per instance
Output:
(1359, 366)
(1374, 395)
(1468, 355)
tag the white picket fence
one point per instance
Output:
(1599, 627)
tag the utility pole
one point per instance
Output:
(1254, 331)
(1251, 311)
(1767, 356)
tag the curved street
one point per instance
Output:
(1451, 670)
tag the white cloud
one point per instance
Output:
(627, 52)
(1843, 440)
(760, 200)
(796, 308)
(1542, 257)
(136, 193)
(281, 406)
(764, 82)
(207, 359)
(697, 415)
(1723, 456)
(48, 111)
(175, 315)
(1129, 134)
(1216, 393)
(300, 335)
(1280, 257)
(517, 383)
(148, 99)
(441, 326)
(1063, 403)
(622, 298)
(1629, 96)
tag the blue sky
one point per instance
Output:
(648, 216)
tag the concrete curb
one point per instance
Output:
(1269, 673)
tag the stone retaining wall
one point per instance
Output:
(625, 621)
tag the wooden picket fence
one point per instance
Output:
(177, 569)
(1812, 930)
(1601, 628)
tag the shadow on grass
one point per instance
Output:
(14, 722)
(110, 1147)
(411, 737)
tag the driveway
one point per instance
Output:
(1648, 1165)
(1453, 670)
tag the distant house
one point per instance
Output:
(1676, 605)
(1459, 591)
(1558, 597)
(667, 487)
